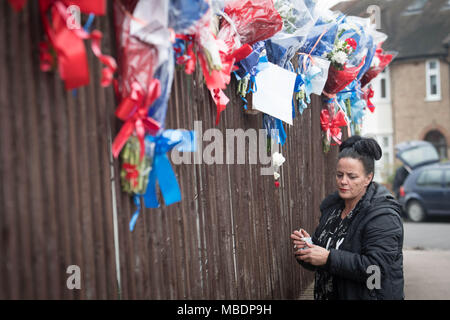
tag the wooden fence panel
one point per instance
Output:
(227, 239)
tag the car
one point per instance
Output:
(413, 155)
(426, 192)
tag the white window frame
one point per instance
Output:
(377, 87)
(433, 72)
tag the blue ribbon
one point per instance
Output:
(137, 202)
(162, 171)
(297, 87)
(281, 133)
(89, 22)
(312, 72)
(251, 84)
(354, 93)
(245, 102)
(304, 80)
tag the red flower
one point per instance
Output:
(351, 42)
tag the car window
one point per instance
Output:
(447, 179)
(419, 155)
(430, 178)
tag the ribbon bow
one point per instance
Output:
(67, 38)
(134, 111)
(332, 126)
(162, 171)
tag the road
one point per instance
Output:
(427, 235)
(426, 262)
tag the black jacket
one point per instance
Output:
(375, 237)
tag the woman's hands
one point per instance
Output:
(297, 236)
(315, 255)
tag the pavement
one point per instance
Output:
(427, 275)
(426, 259)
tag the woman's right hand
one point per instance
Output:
(297, 236)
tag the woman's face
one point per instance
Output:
(351, 178)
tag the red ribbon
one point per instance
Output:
(134, 111)
(332, 126)
(221, 100)
(368, 94)
(69, 45)
(132, 174)
(241, 53)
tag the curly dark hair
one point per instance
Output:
(365, 149)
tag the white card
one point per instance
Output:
(275, 88)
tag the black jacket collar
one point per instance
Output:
(375, 193)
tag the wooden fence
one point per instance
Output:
(61, 202)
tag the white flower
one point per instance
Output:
(277, 159)
(276, 175)
(340, 57)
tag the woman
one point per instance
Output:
(356, 249)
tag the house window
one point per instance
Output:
(382, 89)
(438, 140)
(433, 80)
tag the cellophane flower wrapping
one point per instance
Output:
(379, 63)
(320, 40)
(339, 79)
(321, 37)
(375, 38)
(137, 59)
(355, 28)
(251, 21)
(150, 25)
(185, 13)
(299, 17)
(343, 71)
(165, 75)
(319, 77)
(349, 54)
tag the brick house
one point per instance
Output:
(412, 96)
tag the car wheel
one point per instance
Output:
(415, 211)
